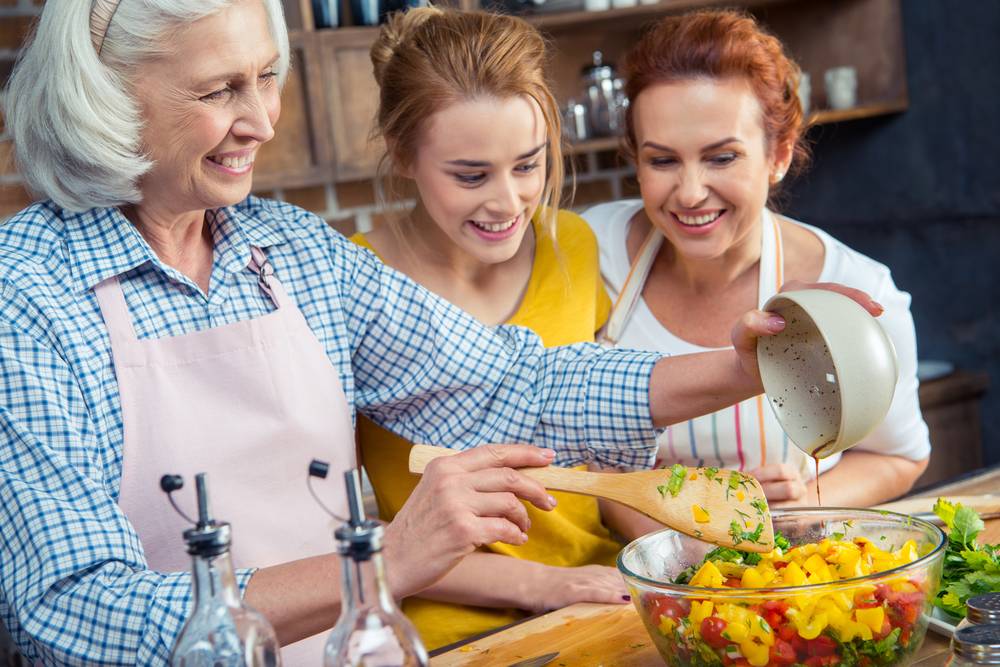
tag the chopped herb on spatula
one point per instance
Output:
(970, 569)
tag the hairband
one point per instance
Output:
(101, 13)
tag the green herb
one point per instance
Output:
(662, 488)
(739, 535)
(711, 472)
(734, 481)
(969, 569)
(838, 536)
(677, 475)
(760, 505)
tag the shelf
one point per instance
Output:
(572, 19)
(593, 145)
(827, 116)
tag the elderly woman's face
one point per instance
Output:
(207, 107)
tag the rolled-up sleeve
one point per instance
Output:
(76, 587)
(432, 373)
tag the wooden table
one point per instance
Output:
(613, 636)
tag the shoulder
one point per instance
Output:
(573, 233)
(31, 234)
(609, 219)
(843, 264)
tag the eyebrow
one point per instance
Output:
(232, 76)
(480, 163)
(717, 144)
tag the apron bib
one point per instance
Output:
(250, 403)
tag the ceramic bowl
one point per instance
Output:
(831, 374)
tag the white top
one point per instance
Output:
(747, 435)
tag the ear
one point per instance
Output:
(781, 159)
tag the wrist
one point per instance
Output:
(398, 573)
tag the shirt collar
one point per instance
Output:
(102, 242)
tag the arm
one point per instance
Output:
(495, 580)
(861, 479)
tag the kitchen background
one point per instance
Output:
(915, 183)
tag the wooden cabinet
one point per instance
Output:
(952, 408)
(331, 98)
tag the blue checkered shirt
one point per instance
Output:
(74, 585)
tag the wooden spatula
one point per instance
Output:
(721, 506)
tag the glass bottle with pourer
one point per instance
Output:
(371, 630)
(221, 631)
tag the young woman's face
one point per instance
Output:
(703, 163)
(480, 170)
(208, 106)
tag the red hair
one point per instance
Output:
(721, 44)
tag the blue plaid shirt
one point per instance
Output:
(74, 585)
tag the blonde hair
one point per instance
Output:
(428, 58)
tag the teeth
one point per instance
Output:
(233, 162)
(700, 220)
(495, 226)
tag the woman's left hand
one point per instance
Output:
(757, 323)
(782, 484)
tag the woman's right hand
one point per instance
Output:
(462, 502)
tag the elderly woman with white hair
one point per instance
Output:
(156, 319)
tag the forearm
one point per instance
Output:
(625, 521)
(686, 386)
(861, 479)
(489, 580)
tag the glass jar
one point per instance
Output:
(974, 646)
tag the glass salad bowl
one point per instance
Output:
(850, 587)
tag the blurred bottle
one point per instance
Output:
(326, 13)
(221, 630)
(371, 630)
(981, 610)
(974, 646)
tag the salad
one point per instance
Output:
(970, 569)
(867, 624)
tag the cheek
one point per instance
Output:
(272, 104)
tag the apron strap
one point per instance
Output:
(114, 310)
(628, 297)
(268, 282)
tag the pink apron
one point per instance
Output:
(250, 403)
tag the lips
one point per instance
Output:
(699, 220)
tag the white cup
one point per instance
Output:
(596, 5)
(841, 87)
(618, 4)
(805, 92)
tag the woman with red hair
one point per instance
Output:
(714, 126)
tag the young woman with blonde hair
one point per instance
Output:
(469, 120)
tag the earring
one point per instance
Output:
(777, 177)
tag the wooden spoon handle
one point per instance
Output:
(551, 477)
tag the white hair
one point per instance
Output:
(71, 113)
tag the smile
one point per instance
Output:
(699, 220)
(238, 162)
(495, 227)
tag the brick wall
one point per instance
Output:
(348, 207)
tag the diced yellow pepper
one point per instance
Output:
(793, 575)
(813, 626)
(756, 654)
(740, 496)
(701, 515)
(700, 610)
(707, 576)
(737, 632)
(667, 625)
(752, 579)
(872, 617)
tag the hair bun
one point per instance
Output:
(397, 30)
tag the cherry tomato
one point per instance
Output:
(822, 646)
(782, 653)
(711, 632)
(666, 606)
(779, 606)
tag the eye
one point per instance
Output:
(471, 179)
(526, 168)
(267, 77)
(723, 159)
(662, 161)
(216, 95)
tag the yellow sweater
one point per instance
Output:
(564, 303)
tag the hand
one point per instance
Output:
(557, 587)
(462, 502)
(757, 323)
(782, 484)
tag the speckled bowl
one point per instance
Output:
(831, 374)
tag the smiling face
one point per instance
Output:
(479, 168)
(208, 106)
(703, 163)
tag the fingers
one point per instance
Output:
(775, 472)
(500, 505)
(509, 480)
(873, 307)
(789, 489)
(501, 456)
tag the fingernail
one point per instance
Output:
(549, 453)
(879, 306)
(552, 502)
(524, 538)
(775, 323)
(627, 598)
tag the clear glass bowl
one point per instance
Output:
(904, 595)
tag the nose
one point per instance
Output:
(505, 197)
(692, 189)
(256, 120)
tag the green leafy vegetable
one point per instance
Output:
(969, 569)
(677, 475)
